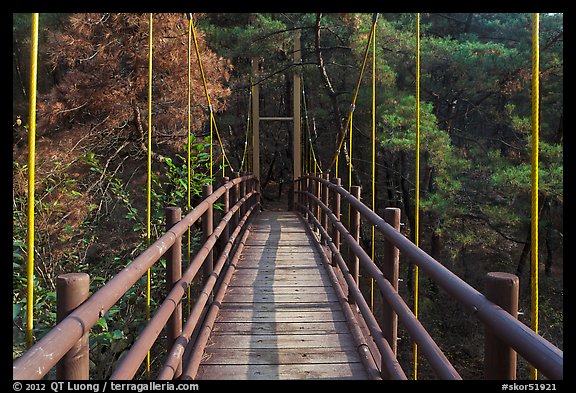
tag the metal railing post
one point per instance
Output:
(173, 274)
(71, 291)
(500, 358)
(223, 239)
(242, 194)
(353, 261)
(310, 202)
(335, 234)
(317, 209)
(325, 202)
(390, 269)
(207, 228)
(233, 198)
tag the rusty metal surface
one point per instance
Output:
(132, 360)
(176, 352)
(499, 359)
(438, 361)
(71, 290)
(39, 359)
(534, 348)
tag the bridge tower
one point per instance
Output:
(295, 118)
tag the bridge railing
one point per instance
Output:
(240, 199)
(313, 198)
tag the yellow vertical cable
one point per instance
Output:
(31, 169)
(373, 157)
(417, 198)
(211, 145)
(337, 160)
(207, 97)
(189, 201)
(535, 132)
(149, 186)
(351, 116)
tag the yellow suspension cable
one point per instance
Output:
(350, 133)
(31, 179)
(353, 105)
(373, 158)
(417, 197)
(247, 130)
(149, 185)
(212, 119)
(535, 147)
(312, 152)
(189, 200)
(211, 147)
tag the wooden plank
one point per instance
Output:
(325, 327)
(317, 306)
(275, 283)
(311, 315)
(288, 298)
(280, 317)
(352, 371)
(280, 356)
(270, 341)
(250, 290)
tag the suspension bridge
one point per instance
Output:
(280, 295)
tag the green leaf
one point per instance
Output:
(117, 334)
(16, 308)
(103, 324)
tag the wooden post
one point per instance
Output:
(499, 358)
(207, 228)
(336, 210)
(255, 121)
(353, 261)
(173, 274)
(71, 290)
(390, 268)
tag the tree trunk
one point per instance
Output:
(549, 255)
(525, 253)
(333, 99)
(409, 210)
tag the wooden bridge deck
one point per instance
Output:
(280, 317)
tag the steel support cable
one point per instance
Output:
(417, 191)
(31, 179)
(247, 128)
(438, 361)
(212, 119)
(373, 160)
(313, 153)
(353, 105)
(189, 158)
(534, 348)
(131, 361)
(36, 362)
(149, 182)
(534, 177)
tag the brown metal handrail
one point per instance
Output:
(534, 348)
(38, 360)
(438, 361)
(137, 353)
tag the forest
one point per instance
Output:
(475, 170)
